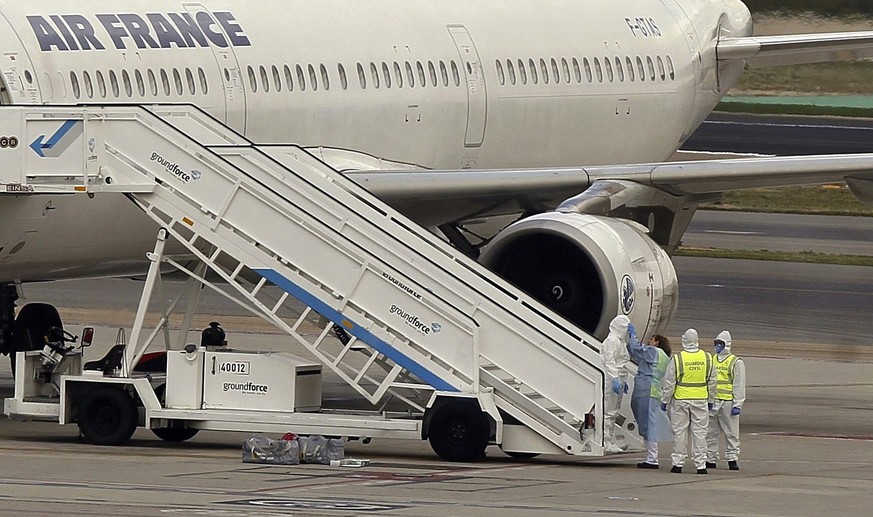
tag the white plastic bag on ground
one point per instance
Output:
(261, 449)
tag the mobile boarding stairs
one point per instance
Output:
(472, 359)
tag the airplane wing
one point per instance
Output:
(795, 49)
(436, 197)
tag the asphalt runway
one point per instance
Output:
(781, 134)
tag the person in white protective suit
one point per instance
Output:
(688, 390)
(729, 398)
(615, 362)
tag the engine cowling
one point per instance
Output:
(589, 269)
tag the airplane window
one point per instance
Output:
(608, 66)
(204, 85)
(670, 69)
(511, 70)
(289, 78)
(344, 82)
(599, 70)
(374, 73)
(630, 69)
(422, 80)
(455, 74)
(640, 69)
(500, 76)
(312, 78)
(410, 75)
(301, 79)
(177, 80)
(362, 77)
(128, 88)
(533, 71)
(165, 81)
(577, 72)
(661, 68)
(398, 75)
(522, 72)
(444, 73)
(277, 79)
(140, 84)
(386, 74)
(113, 83)
(253, 83)
(89, 87)
(28, 77)
(619, 69)
(101, 84)
(432, 71)
(566, 68)
(651, 67)
(544, 71)
(153, 83)
(74, 83)
(265, 81)
(325, 79)
(469, 69)
(189, 77)
(587, 65)
(556, 76)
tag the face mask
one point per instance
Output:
(719, 346)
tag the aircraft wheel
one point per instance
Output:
(108, 416)
(459, 431)
(31, 327)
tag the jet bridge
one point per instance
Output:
(400, 315)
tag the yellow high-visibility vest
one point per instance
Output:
(692, 373)
(725, 371)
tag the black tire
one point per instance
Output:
(31, 327)
(459, 431)
(107, 416)
(521, 455)
(175, 434)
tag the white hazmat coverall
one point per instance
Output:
(615, 361)
(721, 418)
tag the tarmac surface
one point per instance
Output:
(806, 450)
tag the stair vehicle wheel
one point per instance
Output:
(521, 455)
(107, 416)
(31, 328)
(459, 431)
(176, 432)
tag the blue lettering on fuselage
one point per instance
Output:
(129, 30)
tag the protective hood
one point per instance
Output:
(689, 340)
(725, 336)
(618, 327)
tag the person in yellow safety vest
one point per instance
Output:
(688, 388)
(729, 398)
(615, 362)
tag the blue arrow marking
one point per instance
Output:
(59, 142)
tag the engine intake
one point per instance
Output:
(589, 269)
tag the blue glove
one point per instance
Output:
(735, 410)
(625, 387)
(631, 332)
(663, 406)
(616, 385)
(710, 405)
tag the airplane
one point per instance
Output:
(557, 114)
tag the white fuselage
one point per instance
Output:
(439, 84)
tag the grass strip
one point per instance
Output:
(808, 257)
(792, 109)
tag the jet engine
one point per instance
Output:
(589, 269)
